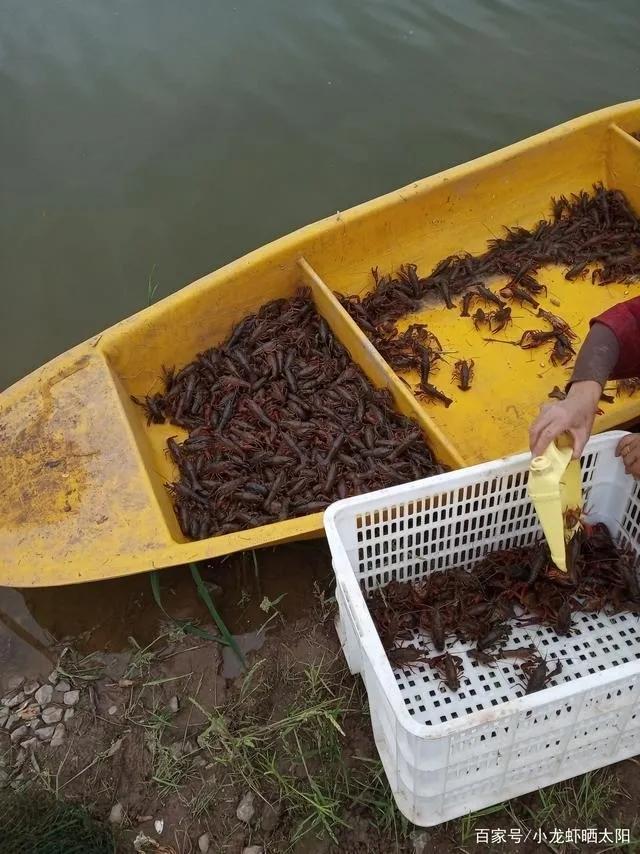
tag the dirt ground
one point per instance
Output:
(172, 748)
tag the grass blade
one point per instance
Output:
(184, 625)
(204, 594)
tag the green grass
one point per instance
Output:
(464, 827)
(79, 669)
(177, 629)
(582, 800)
(33, 821)
(226, 635)
(141, 658)
(204, 801)
(295, 756)
(369, 787)
(170, 768)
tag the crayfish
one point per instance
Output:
(480, 318)
(427, 391)
(463, 373)
(557, 323)
(501, 318)
(407, 657)
(449, 668)
(538, 674)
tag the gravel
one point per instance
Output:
(12, 702)
(44, 695)
(12, 720)
(117, 813)
(246, 809)
(58, 736)
(18, 733)
(52, 715)
(45, 732)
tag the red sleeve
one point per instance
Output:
(624, 321)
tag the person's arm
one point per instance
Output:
(611, 349)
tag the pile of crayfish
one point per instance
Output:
(481, 606)
(596, 233)
(281, 423)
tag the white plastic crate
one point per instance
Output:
(444, 753)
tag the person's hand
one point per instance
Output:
(572, 415)
(629, 449)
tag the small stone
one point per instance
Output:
(554, 301)
(421, 842)
(34, 724)
(269, 818)
(44, 695)
(52, 715)
(204, 843)
(199, 762)
(63, 686)
(20, 759)
(69, 714)
(15, 683)
(112, 710)
(45, 733)
(125, 683)
(53, 677)
(117, 813)
(12, 702)
(115, 747)
(159, 825)
(253, 849)
(173, 704)
(71, 698)
(12, 720)
(58, 736)
(30, 688)
(246, 809)
(19, 733)
(29, 744)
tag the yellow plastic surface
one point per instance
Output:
(82, 475)
(555, 486)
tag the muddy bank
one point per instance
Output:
(100, 617)
(168, 749)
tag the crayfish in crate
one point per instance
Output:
(508, 588)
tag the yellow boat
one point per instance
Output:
(83, 495)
